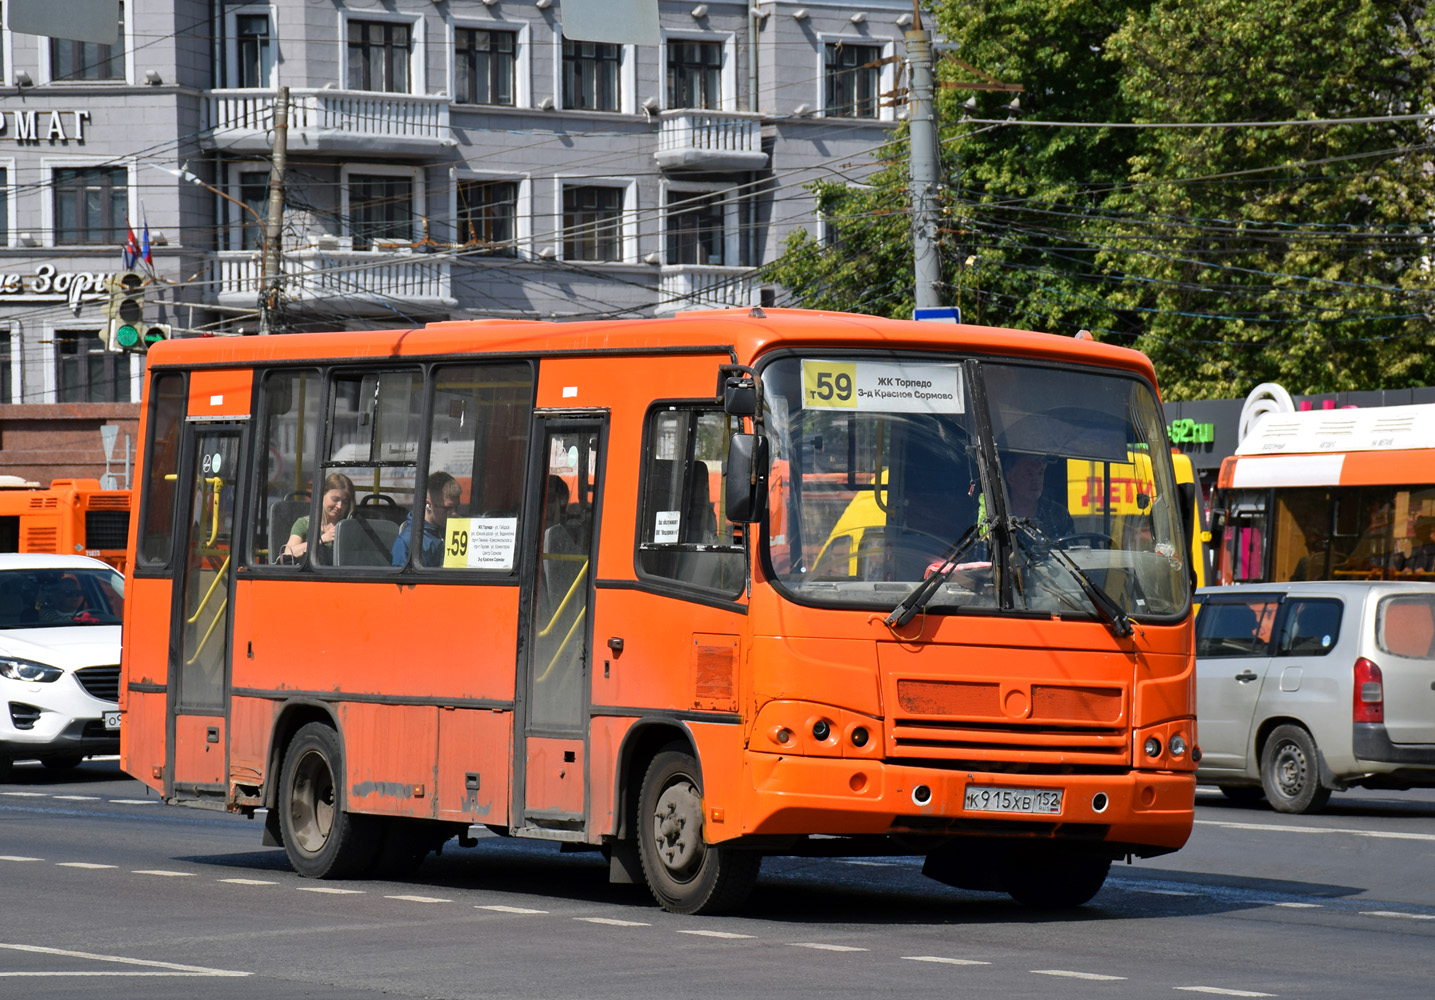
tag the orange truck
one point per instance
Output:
(72, 517)
(652, 661)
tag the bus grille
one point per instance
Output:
(107, 529)
(98, 502)
(101, 682)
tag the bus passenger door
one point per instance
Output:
(551, 787)
(199, 637)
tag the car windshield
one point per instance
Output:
(882, 466)
(44, 598)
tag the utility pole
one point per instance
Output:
(922, 166)
(274, 218)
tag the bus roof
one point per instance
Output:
(744, 333)
(1321, 432)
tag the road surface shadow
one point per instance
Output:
(1353, 803)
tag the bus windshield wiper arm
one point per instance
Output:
(1106, 607)
(903, 612)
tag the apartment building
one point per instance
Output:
(445, 159)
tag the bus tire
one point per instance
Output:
(1053, 879)
(1290, 771)
(684, 873)
(322, 838)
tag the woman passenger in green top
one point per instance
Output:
(337, 504)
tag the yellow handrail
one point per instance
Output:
(204, 641)
(558, 611)
(578, 620)
(223, 571)
(214, 483)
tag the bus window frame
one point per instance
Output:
(674, 586)
(142, 567)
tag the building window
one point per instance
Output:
(70, 60)
(253, 51)
(254, 193)
(87, 373)
(484, 65)
(695, 229)
(694, 74)
(379, 56)
(590, 76)
(7, 362)
(4, 205)
(488, 216)
(91, 204)
(381, 210)
(592, 223)
(852, 80)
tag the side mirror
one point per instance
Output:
(745, 485)
(1187, 493)
(739, 398)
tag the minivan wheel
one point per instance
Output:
(1290, 771)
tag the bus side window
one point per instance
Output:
(290, 414)
(683, 536)
(478, 443)
(167, 401)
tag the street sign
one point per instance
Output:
(109, 433)
(939, 314)
(109, 482)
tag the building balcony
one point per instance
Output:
(702, 286)
(710, 140)
(323, 121)
(350, 282)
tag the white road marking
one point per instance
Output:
(25, 795)
(1278, 828)
(161, 871)
(1162, 892)
(137, 802)
(612, 922)
(499, 908)
(1069, 974)
(1394, 913)
(943, 960)
(1223, 992)
(420, 899)
(1290, 906)
(78, 798)
(82, 864)
(160, 968)
(249, 881)
(870, 864)
(330, 890)
(819, 946)
(17, 857)
(727, 935)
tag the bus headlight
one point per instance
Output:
(1153, 747)
(1177, 745)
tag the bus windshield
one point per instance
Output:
(1022, 485)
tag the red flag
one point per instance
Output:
(132, 249)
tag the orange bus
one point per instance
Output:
(72, 517)
(572, 598)
(1329, 495)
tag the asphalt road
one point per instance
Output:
(104, 892)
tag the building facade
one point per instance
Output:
(445, 159)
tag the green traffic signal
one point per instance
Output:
(127, 336)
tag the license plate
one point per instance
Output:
(987, 798)
(112, 720)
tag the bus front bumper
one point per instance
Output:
(1141, 812)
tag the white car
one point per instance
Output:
(59, 659)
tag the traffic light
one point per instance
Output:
(125, 312)
(154, 333)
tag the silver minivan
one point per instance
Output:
(1307, 688)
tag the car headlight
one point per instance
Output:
(28, 670)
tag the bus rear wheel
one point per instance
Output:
(322, 839)
(684, 873)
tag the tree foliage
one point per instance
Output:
(1243, 251)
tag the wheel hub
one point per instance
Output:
(677, 827)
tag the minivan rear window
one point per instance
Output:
(1405, 626)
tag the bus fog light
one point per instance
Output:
(1177, 746)
(859, 737)
(1153, 747)
(1099, 802)
(921, 795)
(782, 737)
(821, 730)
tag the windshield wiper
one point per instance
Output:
(904, 611)
(1106, 607)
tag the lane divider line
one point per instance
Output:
(820, 946)
(612, 922)
(171, 967)
(942, 959)
(500, 908)
(1069, 974)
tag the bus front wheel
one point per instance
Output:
(1053, 879)
(322, 839)
(685, 874)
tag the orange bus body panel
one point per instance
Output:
(220, 393)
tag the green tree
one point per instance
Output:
(1289, 253)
